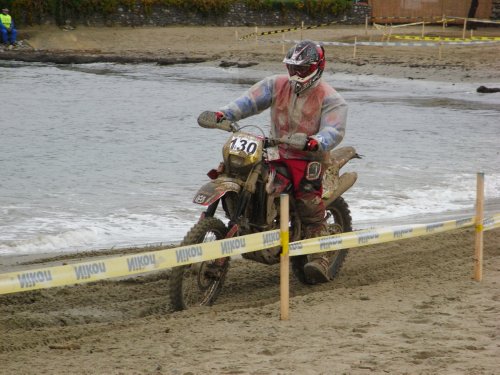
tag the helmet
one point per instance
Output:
(305, 63)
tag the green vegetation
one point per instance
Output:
(32, 11)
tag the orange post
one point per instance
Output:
(478, 253)
(285, 257)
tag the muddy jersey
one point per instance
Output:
(319, 111)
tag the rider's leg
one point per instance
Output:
(313, 216)
(307, 179)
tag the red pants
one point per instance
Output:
(307, 189)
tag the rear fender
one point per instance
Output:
(334, 184)
(339, 187)
(214, 190)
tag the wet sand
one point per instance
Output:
(407, 307)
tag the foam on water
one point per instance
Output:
(75, 234)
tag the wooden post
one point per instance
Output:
(423, 29)
(236, 34)
(366, 26)
(256, 38)
(440, 53)
(355, 45)
(478, 253)
(301, 30)
(285, 257)
(283, 43)
(465, 27)
(444, 22)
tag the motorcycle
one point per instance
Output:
(248, 187)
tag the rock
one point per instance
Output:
(238, 64)
(487, 90)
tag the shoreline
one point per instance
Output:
(220, 45)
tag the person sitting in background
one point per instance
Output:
(7, 28)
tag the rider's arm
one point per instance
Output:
(255, 100)
(333, 121)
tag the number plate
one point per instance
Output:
(246, 146)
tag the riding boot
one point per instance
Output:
(317, 269)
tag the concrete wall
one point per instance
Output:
(495, 14)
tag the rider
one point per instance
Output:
(300, 102)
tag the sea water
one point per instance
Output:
(106, 155)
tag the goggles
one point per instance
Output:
(301, 71)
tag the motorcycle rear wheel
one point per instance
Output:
(339, 221)
(199, 284)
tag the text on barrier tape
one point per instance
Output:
(49, 277)
(381, 235)
(491, 222)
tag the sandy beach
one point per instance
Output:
(406, 307)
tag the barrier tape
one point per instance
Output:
(393, 44)
(447, 39)
(383, 27)
(49, 277)
(437, 19)
(407, 18)
(491, 222)
(270, 32)
(84, 272)
(480, 20)
(375, 236)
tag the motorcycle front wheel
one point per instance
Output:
(199, 284)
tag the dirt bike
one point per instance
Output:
(248, 187)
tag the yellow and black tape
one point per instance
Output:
(272, 32)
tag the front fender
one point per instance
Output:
(214, 190)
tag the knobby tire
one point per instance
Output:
(181, 291)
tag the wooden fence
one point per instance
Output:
(404, 11)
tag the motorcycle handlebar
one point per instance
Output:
(296, 141)
(208, 119)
